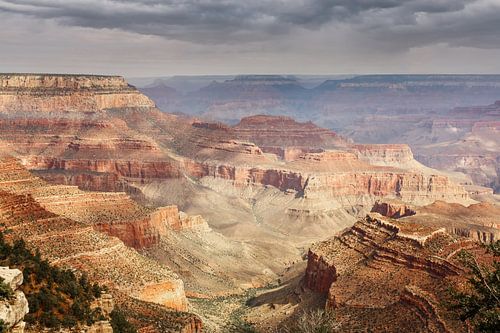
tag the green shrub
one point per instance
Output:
(120, 323)
(480, 306)
(55, 296)
(6, 292)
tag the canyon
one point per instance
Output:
(173, 211)
(449, 121)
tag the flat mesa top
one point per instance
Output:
(61, 81)
(61, 75)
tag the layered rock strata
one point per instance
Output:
(113, 213)
(384, 154)
(279, 131)
(26, 205)
(393, 209)
(119, 140)
(69, 93)
(407, 266)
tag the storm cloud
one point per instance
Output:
(471, 23)
(263, 29)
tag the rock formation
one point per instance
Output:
(286, 137)
(393, 209)
(384, 154)
(408, 267)
(457, 140)
(12, 311)
(68, 93)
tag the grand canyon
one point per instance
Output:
(200, 222)
(228, 166)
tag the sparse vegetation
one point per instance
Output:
(57, 297)
(481, 304)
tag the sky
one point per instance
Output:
(138, 38)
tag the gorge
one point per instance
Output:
(181, 217)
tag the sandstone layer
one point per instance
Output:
(70, 93)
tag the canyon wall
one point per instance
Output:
(69, 93)
(320, 274)
(410, 187)
(39, 213)
(384, 154)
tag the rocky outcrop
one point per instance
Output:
(270, 132)
(170, 294)
(384, 154)
(12, 311)
(382, 265)
(190, 223)
(147, 232)
(140, 234)
(319, 273)
(477, 222)
(377, 239)
(393, 209)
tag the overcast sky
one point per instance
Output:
(167, 37)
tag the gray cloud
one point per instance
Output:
(400, 24)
